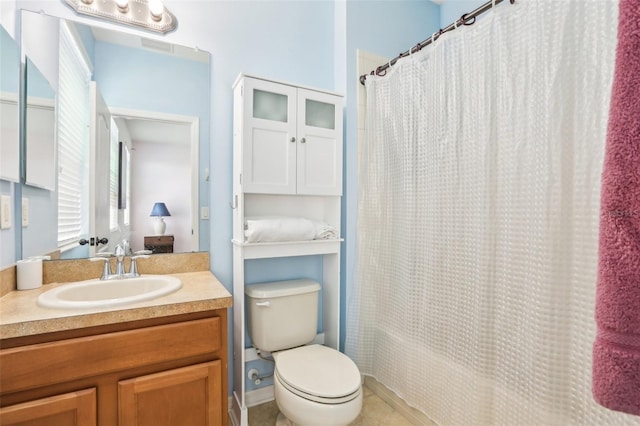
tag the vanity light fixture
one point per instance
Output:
(156, 7)
(148, 14)
(123, 5)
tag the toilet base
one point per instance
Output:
(282, 420)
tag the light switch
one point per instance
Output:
(25, 212)
(204, 213)
(5, 212)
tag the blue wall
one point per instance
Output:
(282, 40)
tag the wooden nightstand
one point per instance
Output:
(159, 243)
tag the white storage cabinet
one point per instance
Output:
(287, 161)
(291, 139)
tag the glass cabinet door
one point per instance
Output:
(319, 152)
(270, 138)
(270, 106)
(320, 114)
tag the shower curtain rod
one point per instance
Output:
(466, 19)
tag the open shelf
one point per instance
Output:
(289, 248)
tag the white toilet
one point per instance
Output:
(314, 385)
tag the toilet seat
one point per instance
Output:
(318, 373)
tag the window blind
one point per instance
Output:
(73, 140)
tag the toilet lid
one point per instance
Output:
(318, 370)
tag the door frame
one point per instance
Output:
(100, 144)
(194, 124)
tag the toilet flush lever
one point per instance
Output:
(265, 304)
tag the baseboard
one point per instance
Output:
(259, 396)
(237, 414)
(232, 418)
(416, 417)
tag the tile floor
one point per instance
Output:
(375, 412)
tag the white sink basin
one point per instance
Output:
(98, 294)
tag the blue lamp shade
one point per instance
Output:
(160, 209)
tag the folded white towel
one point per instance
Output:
(279, 229)
(324, 231)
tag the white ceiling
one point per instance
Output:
(158, 131)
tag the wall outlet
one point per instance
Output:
(5, 211)
(25, 212)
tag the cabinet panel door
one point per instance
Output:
(269, 151)
(70, 409)
(27, 367)
(319, 156)
(189, 396)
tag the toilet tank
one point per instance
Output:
(282, 314)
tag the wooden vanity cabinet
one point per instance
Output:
(164, 371)
(74, 408)
(184, 396)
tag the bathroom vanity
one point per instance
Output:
(159, 362)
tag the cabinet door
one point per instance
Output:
(189, 396)
(319, 155)
(269, 138)
(70, 409)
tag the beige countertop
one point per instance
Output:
(20, 315)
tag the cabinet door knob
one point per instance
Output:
(303, 140)
(292, 140)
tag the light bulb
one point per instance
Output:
(123, 5)
(156, 8)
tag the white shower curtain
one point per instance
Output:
(478, 218)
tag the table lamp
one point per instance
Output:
(159, 210)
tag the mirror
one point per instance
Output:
(40, 122)
(142, 118)
(9, 120)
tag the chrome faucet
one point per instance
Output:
(120, 269)
(119, 254)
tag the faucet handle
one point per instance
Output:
(106, 271)
(133, 269)
(102, 255)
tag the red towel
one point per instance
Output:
(616, 351)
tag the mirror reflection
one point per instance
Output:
(40, 129)
(9, 86)
(132, 130)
